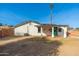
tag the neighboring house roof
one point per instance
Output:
(40, 24)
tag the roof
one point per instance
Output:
(61, 25)
(40, 24)
(23, 23)
(54, 25)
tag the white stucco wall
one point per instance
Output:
(65, 31)
(21, 29)
(33, 30)
(28, 28)
(62, 33)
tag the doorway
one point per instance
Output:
(55, 31)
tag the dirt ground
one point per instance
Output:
(31, 47)
(70, 47)
(41, 47)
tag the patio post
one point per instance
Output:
(41, 30)
(52, 32)
(65, 32)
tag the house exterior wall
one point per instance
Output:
(21, 30)
(62, 33)
(32, 29)
(65, 31)
(29, 28)
(47, 30)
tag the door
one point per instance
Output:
(55, 31)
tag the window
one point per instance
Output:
(39, 29)
(60, 30)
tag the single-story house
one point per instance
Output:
(36, 29)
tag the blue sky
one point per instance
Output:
(67, 14)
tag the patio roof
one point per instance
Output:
(40, 24)
(54, 25)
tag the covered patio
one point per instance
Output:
(54, 30)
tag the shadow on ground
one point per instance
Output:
(31, 47)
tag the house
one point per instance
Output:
(6, 31)
(36, 29)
